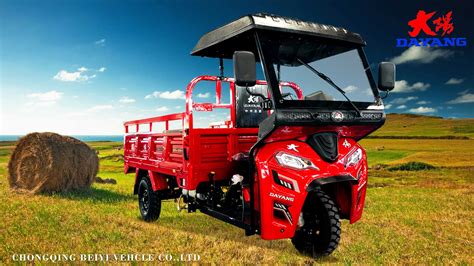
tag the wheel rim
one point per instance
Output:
(144, 200)
(311, 231)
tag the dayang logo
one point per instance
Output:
(438, 30)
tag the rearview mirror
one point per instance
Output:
(244, 69)
(386, 76)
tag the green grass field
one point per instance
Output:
(422, 217)
(409, 125)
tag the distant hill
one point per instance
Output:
(410, 125)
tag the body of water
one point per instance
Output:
(79, 137)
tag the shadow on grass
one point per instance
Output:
(204, 225)
(95, 195)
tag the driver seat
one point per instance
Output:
(248, 112)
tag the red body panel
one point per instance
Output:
(274, 228)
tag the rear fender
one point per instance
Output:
(128, 169)
(158, 181)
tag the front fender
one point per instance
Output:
(283, 190)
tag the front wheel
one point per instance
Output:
(149, 202)
(320, 234)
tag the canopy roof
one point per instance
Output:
(238, 34)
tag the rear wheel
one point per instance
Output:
(149, 201)
(320, 234)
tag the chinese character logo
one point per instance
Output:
(252, 99)
(420, 23)
(444, 23)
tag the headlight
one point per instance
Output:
(293, 161)
(354, 157)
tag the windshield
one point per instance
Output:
(344, 69)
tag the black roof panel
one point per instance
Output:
(223, 41)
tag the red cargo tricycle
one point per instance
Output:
(285, 163)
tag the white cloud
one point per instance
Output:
(464, 97)
(350, 88)
(177, 94)
(422, 110)
(63, 75)
(403, 100)
(125, 99)
(454, 81)
(403, 86)
(387, 106)
(423, 102)
(43, 99)
(98, 108)
(203, 95)
(100, 43)
(402, 106)
(162, 109)
(420, 54)
(171, 95)
(77, 76)
(154, 94)
(50, 96)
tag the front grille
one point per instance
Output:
(325, 145)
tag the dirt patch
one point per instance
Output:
(49, 162)
(99, 180)
(379, 167)
(113, 157)
(377, 185)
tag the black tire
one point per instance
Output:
(320, 234)
(149, 201)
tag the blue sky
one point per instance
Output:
(84, 67)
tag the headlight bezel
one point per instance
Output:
(294, 161)
(353, 158)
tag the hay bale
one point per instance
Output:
(49, 162)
